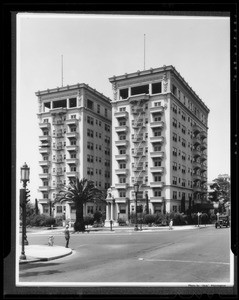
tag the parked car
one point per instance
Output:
(223, 220)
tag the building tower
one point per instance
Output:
(159, 134)
(75, 140)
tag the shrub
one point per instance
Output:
(98, 216)
(149, 219)
(88, 220)
(213, 218)
(121, 222)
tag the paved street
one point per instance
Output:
(199, 255)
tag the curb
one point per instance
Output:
(44, 258)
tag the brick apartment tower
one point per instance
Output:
(75, 140)
(159, 139)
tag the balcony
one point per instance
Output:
(121, 128)
(121, 114)
(138, 124)
(44, 163)
(156, 124)
(203, 167)
(137, 110)
(203, 134)
(138, 153)
(196, 129)
(197, 189)
(203, 145)
(58, 122)
(72, 134)
(58, 148)
(203, 179)
(203, 157)
(45, 138)
(44, 125)
(138, 139)
(196, 141)
(196, 153)
(72, 174)
(58, 135)
(156, 109)
(158, 169)
(121, 143)
(58, 111)
(196, 177)
(138, 169)
(196, 165)
(138, 97)
(44, 188)
(154, 139)
(44, 201)
(58, 161)
(158, 199)
(157, 154)
(45, 149)
(72, 161)
(72, 122)
(122, 200)
(44, 175)
(157, 184)
(72, 148)
(122, 157)
(121, 185)
(121, 171)
(59, 173)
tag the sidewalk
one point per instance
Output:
(35, 253)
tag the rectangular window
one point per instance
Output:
(174, 195)
(90, 104)
(122, 194)
(59, 209)
(156, 88)
(174, 90)
(72, 102)
(157, 193)
(124, 94)
(157, 177)
(98, 108)
(142, 89)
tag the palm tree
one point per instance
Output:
(79, 192)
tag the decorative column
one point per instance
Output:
(107, 211)
(112, 211)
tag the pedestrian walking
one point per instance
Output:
(67, 235)
(171, 224)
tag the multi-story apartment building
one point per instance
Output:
(159, 128)
(75, 140)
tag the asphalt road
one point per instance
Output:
(187, 256)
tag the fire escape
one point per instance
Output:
(139, 140)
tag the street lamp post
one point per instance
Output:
(136, 189)
(25, 172)
(198, 217)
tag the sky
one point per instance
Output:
(96, 47)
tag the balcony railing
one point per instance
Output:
(157, 169)
(44, 188)
(137, 124)
(121, 128)
(196, 129)
(121, 143)
(157, 124)
(122, 157)
(44, 175)
(196, 141)
(157, 109)
(121, 171)
(157, 154)
(44, 138)
(196, 177)
(203, 134)
(72, 160)
(43, 125)
(72, 148)
(44, 150)
(72, 173)
(72, 121)
(44, 163)
(196, 165)
(121, 114)
(203, 157)
(196, 153)
(154, 139)
(203, 145)
(58, 122)
(203, 167)
(72, 134)
(156, 199)
(159, 184)
(121, 185)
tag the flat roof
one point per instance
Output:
(73, 87)
(158, 70)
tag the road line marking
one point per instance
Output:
(186, 261)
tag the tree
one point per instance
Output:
(80, 192)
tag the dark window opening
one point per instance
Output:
(72, 102)
(59, 103)
(89, 104)
(47, 106)
(174, 90)
(156, 88)
(142, 89)
(124, 94)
